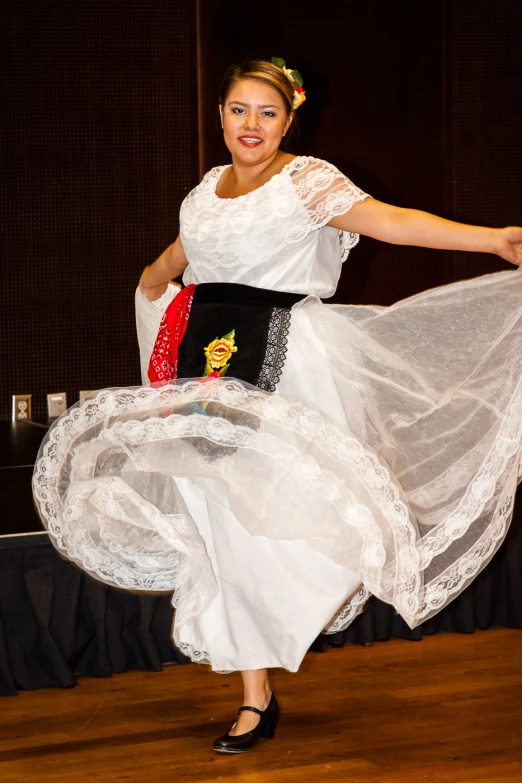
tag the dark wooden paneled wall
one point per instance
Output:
(485, 96)
(419, 103)
(99, 124)
(374, 79)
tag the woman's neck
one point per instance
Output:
(242, 178)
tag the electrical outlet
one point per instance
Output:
(22, 407)
(87, 395)
(56, 404)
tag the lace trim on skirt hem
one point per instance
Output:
(118, 431)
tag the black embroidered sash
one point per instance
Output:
(244, 331)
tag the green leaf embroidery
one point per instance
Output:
(229, 335)
(278, 61)
(212, 367)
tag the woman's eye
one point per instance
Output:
(240, 110)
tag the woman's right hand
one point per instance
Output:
(171, 264)
(154, 292)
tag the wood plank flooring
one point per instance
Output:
(444, 710)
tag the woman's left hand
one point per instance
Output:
(509, 244)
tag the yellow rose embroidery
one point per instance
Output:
(217, 353)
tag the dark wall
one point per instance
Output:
(98, 117)
(419, 103)
(485, 79)
(374, 80)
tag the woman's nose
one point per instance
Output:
(251, 121)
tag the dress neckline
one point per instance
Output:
(221, 169)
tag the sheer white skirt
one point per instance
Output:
(385, 464)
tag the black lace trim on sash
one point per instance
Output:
(276, 349)
(260, 320)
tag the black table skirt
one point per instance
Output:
(57, 624)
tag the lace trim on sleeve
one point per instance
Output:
(326, 193)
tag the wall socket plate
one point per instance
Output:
(56, 404)
(87, 395)
(22, 407)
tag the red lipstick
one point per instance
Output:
(249, 140)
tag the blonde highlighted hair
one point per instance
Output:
(261, 71)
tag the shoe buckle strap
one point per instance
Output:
(251, 709)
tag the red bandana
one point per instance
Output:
(163, 365)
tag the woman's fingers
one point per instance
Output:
(510, 244)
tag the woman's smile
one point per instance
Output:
(250, 141)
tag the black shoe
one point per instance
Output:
(264, 730)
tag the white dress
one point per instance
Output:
(386, 462)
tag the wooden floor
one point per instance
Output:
(447, 709)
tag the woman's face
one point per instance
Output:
(254, 121)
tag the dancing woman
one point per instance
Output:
(385, 462)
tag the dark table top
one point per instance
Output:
(19, 442)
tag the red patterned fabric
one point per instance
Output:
(163, 365)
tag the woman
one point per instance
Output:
(385, 463)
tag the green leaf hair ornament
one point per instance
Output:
(296, 79)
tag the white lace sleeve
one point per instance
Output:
(326, 192)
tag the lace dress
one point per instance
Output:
(384, 463)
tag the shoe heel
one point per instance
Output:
(268, 730)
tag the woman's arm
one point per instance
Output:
(171, 263)
(412, 227)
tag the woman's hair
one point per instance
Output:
(262, 71)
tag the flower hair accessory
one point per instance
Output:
(296, 79)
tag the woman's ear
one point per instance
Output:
(288, 123)
(221, 114)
